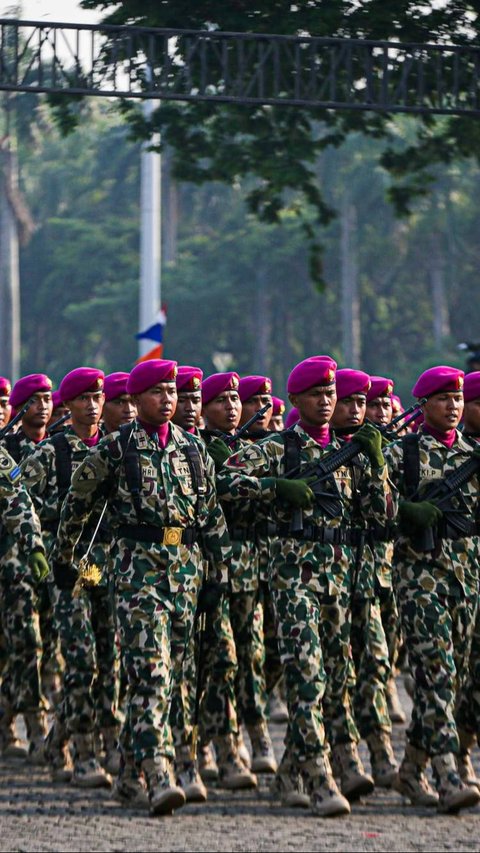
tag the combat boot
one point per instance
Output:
(412, 780)
(188, 777)
(395, 710)
(233, 774)
(263, 756)
(129, 788)
(87, 771)
(163, 794)
(36, 725)
(111, 758)
(242, 749)
(57, 754)
(409, 684)
(10, 745)
(453, 794)
(354, 781)
(464, 761)
(382, 759)
(277, 709)
(207, 764)
(325, 798)
(288, 785)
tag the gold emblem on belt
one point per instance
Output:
(172, 536)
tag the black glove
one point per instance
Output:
(65, 575)
(210, 595)
(219, 452)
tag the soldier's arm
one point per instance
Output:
(215, 538)
(36, 468)
(16, 507)
(249, 474)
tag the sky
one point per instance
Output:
(63, 11)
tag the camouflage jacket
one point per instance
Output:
(451, 557)
(167, 495)
(251, 474)
(20, 522)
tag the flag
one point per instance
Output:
(153, 333)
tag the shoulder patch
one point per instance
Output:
(9, 467)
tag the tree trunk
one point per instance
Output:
(349, 277)
(441, 322)
(9, 269)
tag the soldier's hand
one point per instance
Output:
(38, 566)
(210, 595)
(370, 439)
(65, 575)
(297, 493)
(418, 516)
(219, 452)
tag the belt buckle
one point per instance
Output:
(172, 536)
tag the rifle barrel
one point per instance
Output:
(256, 417)
(6, 429)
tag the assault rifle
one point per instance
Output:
(8, 428)
(441, 493)
(59, 422)
(324, 486)
(230, 439)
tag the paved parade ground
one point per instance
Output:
(36, 815)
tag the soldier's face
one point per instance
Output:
(316, 405)
(157, 405)
(471, 415)
(349, 411)
(39, 411)
(119, 411)
(224, 412)
(277, 423)
(379, 410)
(443, 411)
(252, 406)
(5, 411)
(86, 409)
(189, 409)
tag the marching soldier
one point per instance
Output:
(160, 485)
(118, 408)
(278, 413)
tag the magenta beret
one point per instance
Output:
(471, 386)
(278, 406)
(56, 399)
(381, 387)
(252, 385)
(437, 379)
(189, 378)
(292, 418)
(149, 373)
(79, 381)
(397, 404)
(115, 385)
(25, 387)
(350, 381)
(5, 387)
(217, 383)
(317, 370)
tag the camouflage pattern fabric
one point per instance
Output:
(156, 584)
(437, 593)
(372, 668)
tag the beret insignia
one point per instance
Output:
(234, 382)
(195, 382)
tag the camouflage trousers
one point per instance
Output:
(267, 625)
(89, 648)
(467, 714)
(250, 688)
(314, 642)
(219, 704)
(438, 633)
(371, 665)
(391, 622)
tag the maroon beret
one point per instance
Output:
(80, 381)
(217, 383)
(438, 379)
(471, 386)
(25, 387)
(5, 387)
(56, 399)
(115, 385)
(251, 385)
(189, 378)
(278, 406)
(149, 373)
(381, 387)
(292, 418)
(317, 370)
(350, 381)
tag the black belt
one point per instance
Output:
(163, 535)
(381, 533)
(324, 535)
(242, 534)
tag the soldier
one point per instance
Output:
(310, 578)
(380, 406)
(162, 500)
(118, 408)
(437, 589)
(292, 417)
(86, 622)
(189, 403)
(59, 411)
(369, 646)
(32, 635)
(5, 407)
(278, 412)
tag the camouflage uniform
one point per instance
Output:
(156, 581)
(311, 586)
(86, 623)
(437, 594)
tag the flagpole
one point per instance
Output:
(150, 233)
